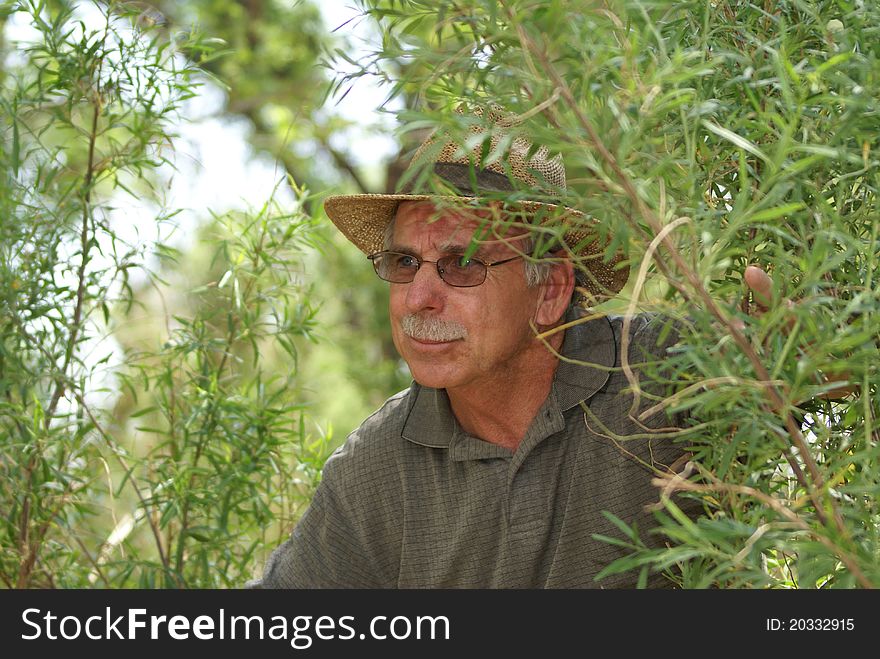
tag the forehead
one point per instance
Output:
(423, 223)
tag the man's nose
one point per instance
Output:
(426, 290)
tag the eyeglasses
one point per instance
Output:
(455, 270)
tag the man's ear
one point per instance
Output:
(555, 294)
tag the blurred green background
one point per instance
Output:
(185, 337)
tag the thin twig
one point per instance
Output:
(676, 482)
(631, 309)
(84, 251)
(110, 443)
(30, 550)
(703, 384)
(95, 564)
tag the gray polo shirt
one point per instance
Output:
(411, 500)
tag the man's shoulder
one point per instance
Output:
(375, 443)
(387, 422)
(649, 332)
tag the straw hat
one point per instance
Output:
(448, 174)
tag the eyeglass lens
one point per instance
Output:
(455, 270)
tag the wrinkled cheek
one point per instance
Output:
(394, 316)
(397, 336)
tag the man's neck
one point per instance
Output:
(501, 411)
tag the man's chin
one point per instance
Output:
(434, 364)
(431, 383)
(432, 377)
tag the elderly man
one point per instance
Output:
(494, 468)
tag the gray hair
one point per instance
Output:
(538, 271)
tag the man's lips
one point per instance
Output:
(428, 342)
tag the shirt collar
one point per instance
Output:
(589, 351)
(430, 421)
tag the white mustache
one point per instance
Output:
(431, 328)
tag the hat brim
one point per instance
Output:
(364, 218)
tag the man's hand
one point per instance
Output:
(761, 286)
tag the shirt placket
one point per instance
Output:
(530, 491)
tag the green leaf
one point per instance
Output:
(143, 411)
(777, 211)
(734, 138)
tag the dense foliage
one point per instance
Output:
(181, 460)
(704, 137)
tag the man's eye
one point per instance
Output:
(463, 263)
(406, 261)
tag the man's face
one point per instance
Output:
(482, 334)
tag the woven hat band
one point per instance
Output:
(468, 181)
